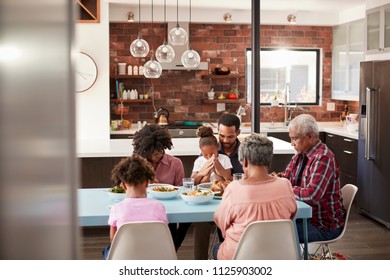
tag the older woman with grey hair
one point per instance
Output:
(258, 196)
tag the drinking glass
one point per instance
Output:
(188, 184)
(238, 176)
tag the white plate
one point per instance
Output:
(195, 199)
(163, 195)
(204, 186)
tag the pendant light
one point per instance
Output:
(177, 36)
(152, 68)
(190, 58)
(139, 47)
(165, 52)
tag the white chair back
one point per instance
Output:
(268, 240)
(143, 241)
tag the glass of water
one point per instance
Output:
(238, 176)
(188, 184)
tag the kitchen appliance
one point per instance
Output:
(162, 116)
(373, 197)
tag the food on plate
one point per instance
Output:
(199, 192)
(219, 186)
(117, 189)
(163, 189)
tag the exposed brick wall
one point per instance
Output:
(183, 92)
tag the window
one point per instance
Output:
(291, 75)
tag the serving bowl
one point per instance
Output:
(222, 70)
(117, 192)
(163, 191)
(201, 197)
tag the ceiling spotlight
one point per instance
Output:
(227, 17)
(130, 17)
(291, 19)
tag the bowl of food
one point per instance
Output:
(198, 196)
(224, 70)
(163, 191)
(117, 192)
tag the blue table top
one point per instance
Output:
(94, 208)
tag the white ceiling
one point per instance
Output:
(271, 5)
(314, 12)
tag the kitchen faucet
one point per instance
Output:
(287, 108)
(241, 111)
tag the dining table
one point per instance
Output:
(94, 207)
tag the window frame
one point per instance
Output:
(318, 74)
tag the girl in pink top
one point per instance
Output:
(259, 196)
(151, 142)
(134, 174)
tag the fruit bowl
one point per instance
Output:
(222, 70)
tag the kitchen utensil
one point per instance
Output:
(162, 116)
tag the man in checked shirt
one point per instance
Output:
(315, 176)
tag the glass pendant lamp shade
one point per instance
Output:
(139, 47)
(190, 59)
(165, 53)
(178, 36)
(152, 68)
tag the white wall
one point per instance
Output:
(92, 106)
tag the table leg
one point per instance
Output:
(305, 239)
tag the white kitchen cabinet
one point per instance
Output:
(378, 30)
(347, 53)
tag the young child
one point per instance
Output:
(210, 166)
(134, 173)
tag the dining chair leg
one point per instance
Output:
(213, 242)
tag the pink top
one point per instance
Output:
(137, 210)
(170, 170)
(245, 203)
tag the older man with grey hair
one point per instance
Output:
(315, 176)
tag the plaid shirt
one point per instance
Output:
(319, 186)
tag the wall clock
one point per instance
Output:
(86, 72)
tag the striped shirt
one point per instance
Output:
(170, 170)
(319, 186)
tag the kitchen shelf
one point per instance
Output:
(89, 11)
(230, 76)
(230, 101)
(129, 76)
(149, 100)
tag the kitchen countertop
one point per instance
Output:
(266, 127)
(190, 146)
(181, 147)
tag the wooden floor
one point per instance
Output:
(365, 239)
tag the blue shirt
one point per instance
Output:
(237, 167)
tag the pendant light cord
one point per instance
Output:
(152, 30)
(177, 12)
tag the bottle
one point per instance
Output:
(344, 114)
(135, 70)
(141, 70)
(129, 70)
